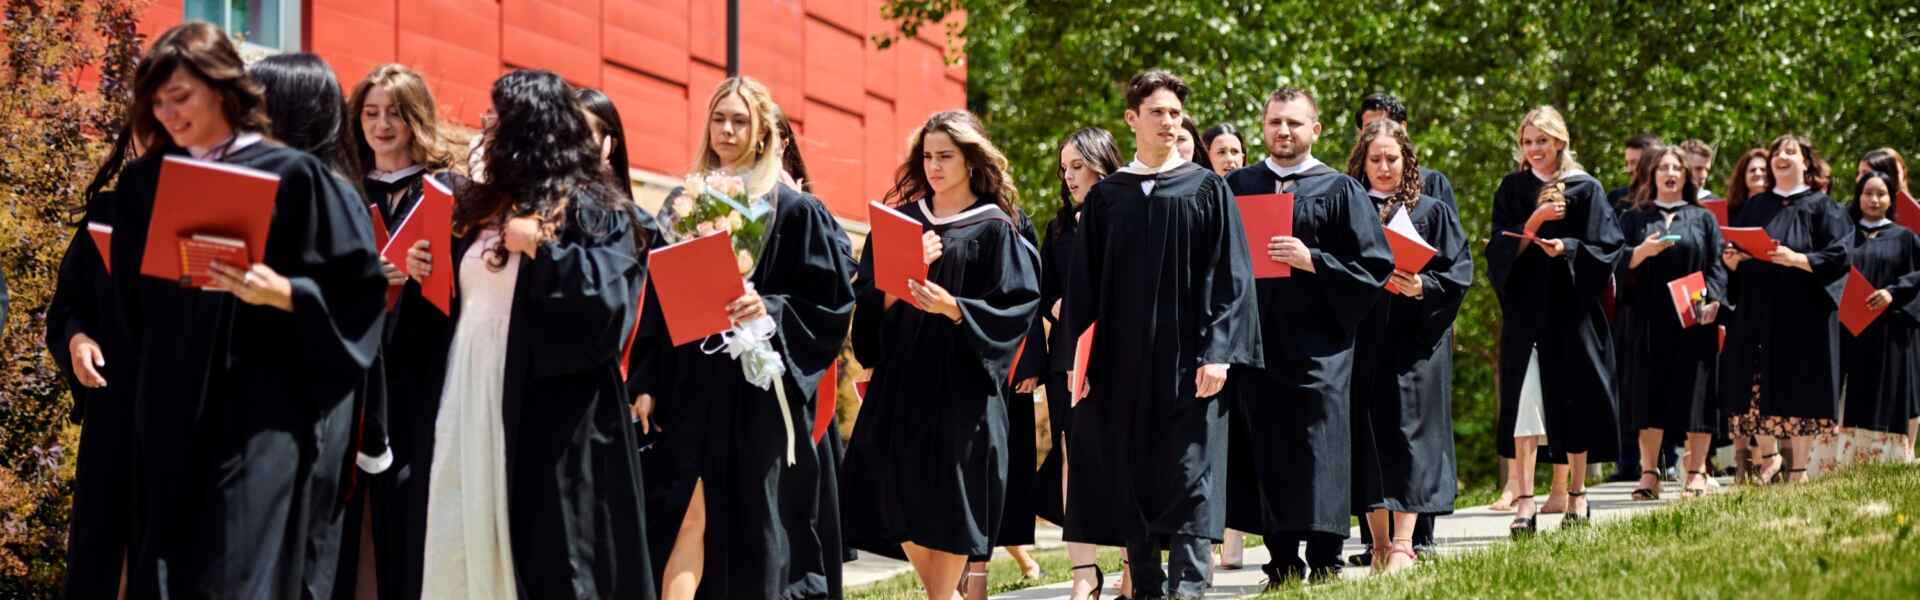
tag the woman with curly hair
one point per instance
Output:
(1403, 362)
(534, 488)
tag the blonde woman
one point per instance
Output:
(926, 468)
(730, 489)
(1551, 251)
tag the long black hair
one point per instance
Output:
(541, 157)
(117, 157)
(1096, 146)
(307, 110)
(1860, 186)
(601, 108)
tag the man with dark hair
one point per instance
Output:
(1385, 106)
(1700, 161)
(1298, 407)
(1164, 281)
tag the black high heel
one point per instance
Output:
(1577, 520)
(1700, 492)
(1099, 579)
(1645, 494)
(1524, 526)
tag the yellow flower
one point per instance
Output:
(735, 222)
(745, 260)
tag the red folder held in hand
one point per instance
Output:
(695, 281)
(898, 254)
(1077, 378)
(198, 253)
(1689, 294)
(1411, 252)
(1853, 303)
(381, 235)
(1751, 240)
(197, 197)
(102, 235)
(431, 219)
(1264, 217)
(1717, 206)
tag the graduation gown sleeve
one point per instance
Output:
(585, 292)
(1231, 325)
(814, 301)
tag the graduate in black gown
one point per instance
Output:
(245, 395)
(727, 499)
(1669, 376)
(573, 491)
(84, 328)
(926, 469)
(1299, 405)
(1627, 460)
(400, 142)
(1555, 346)
(1882, 362)
(1888, 160)
(1433, 183)
(1086, 156)
(1780, 371)
(1403, 459)
(1162, 269)
(1746, 178)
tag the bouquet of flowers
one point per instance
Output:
(715, 201)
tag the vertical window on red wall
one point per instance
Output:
(268, 24)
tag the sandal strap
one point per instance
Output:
(1094, 566)
(1579, 494)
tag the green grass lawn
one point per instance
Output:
(1849, 535)
(1002, 575)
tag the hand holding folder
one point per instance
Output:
(898, 253)
(1082, 352)
(430, 220)
(1689, 295)
(1752, 240)
(695, 280)
(205, 211)
(1264, 217)
(1855, 312)
(1411, 252)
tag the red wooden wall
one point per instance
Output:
(659, 60)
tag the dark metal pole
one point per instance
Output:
(733, 38)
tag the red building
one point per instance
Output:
(852, 103)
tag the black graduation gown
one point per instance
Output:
(1403, 379)
(243, 413)
(1024, 494)
(1166, 277)
(927, 463)
(1052, 354)
(1298, 407)
(726, 433)
(1553, 304)
(1669, 370)
(1787, 308)
(572, 467)
(1881, 363)
(102, 525)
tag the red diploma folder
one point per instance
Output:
(102, 235)
(1018, 350)
(824, 401)
(1853, 303)
(1265, 216)
(380, 238)
(898, 255)
(695, 280)
(1410, 251)
(1906, 212)
(1082, 351)
(1718, 207)
(1689, 293)
(639, 311)
(1521, 235)
(197, 197)
(1751, 240)
(431, 219)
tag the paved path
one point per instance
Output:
(1462, 531)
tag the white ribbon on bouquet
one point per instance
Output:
(751, 343)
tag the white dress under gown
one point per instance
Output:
(467, 549)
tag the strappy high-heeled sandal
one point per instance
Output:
(1399, 547)
(1524, 526)
(1580, 519)
(1099, 579)
(1641, 494)
(1696, 492)
(1762, 476)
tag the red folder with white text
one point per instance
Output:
(225, 204)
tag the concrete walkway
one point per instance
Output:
(1460, 532)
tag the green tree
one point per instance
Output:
(65, 67)
(1732, 74)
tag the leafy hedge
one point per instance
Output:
(1733, 74)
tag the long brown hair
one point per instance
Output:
(206, 53)
(1645, 191)
(1819, 174)
(987, 168)
(432, 145)
(1408, 194)
(1737, 190)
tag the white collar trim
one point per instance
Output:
(1789, 192)
(926, 208)
(1883, 222)
(1139, 168)
(241, 141)
(395, 175)
(1309, 163)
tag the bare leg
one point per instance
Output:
(1649, 464)
(368, 585)
(1509, 489)
(1077, 553)
(1769, 457)
(1913, 432)
(1028, 568)
(1377, 522)
(1397, 557)
(1233, 549)
(123, 576)
(1742, 455)
(688, 560)
(973, 582)
(1577, 470)
(1696, 464)
(1557, 491)
(939, 571)
(1522, 477)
